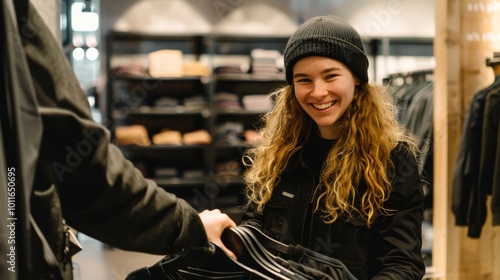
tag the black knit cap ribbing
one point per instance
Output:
(327, 36)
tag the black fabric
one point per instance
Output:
(195, 264)
(414, 98)
(21, 131)
(58, 152)
(390, 248)
(469, 194)
(315, 152)
(294, 263)
(489, 176)
(316, 265)
(327, 36)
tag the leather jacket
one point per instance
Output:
(390, 249)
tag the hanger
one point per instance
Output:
(193, 265)
(265, 240)
(198, 274)
(264, 253)
(248, 253)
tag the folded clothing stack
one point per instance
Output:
(195, 68)
(226, 101)
(257, 103)
(166, 103)
(132, 135)
(265, 63)
(165, 63)
(228, 171)
(173, 137)
(167, 137)
(197, 137)
(229, 133)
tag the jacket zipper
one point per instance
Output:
(308, 244)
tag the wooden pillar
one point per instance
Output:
(447, 93)
(467, 32)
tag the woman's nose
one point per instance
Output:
(320, 89)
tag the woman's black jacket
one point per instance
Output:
(390, 249)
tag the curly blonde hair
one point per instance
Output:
(370, 131)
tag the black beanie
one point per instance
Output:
(327, 36)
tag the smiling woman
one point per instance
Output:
(324, 88)
(333, 144)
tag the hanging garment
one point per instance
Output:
(66, 166)
(254, 261)
(489, 176)
(414, 96)
(469, 194)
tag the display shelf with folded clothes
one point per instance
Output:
(136, 92)
(181, 88)
(154, 123)
(246, 85)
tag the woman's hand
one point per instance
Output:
(215, 222)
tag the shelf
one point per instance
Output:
(226, 146)
(250, 77)
(143, 36)
(238, 112)
(187, 104)
(182, 155)
(189, 79)
(152, 111)
(180, 182)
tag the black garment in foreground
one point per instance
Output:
(315, 264)
(254, 258)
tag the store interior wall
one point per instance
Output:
(372, 18)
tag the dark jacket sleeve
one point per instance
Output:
(397, 243)
(101, 192)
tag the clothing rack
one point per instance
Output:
(398, 79)
(413, 94)
(477, 172)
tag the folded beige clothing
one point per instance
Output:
(165, 63)
(197, 137)
(132, 135)
(167, 137)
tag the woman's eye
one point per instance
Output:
(303, 80)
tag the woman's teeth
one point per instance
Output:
(324, 105)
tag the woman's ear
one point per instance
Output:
(358, 82)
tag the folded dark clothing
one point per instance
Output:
(165, 102)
